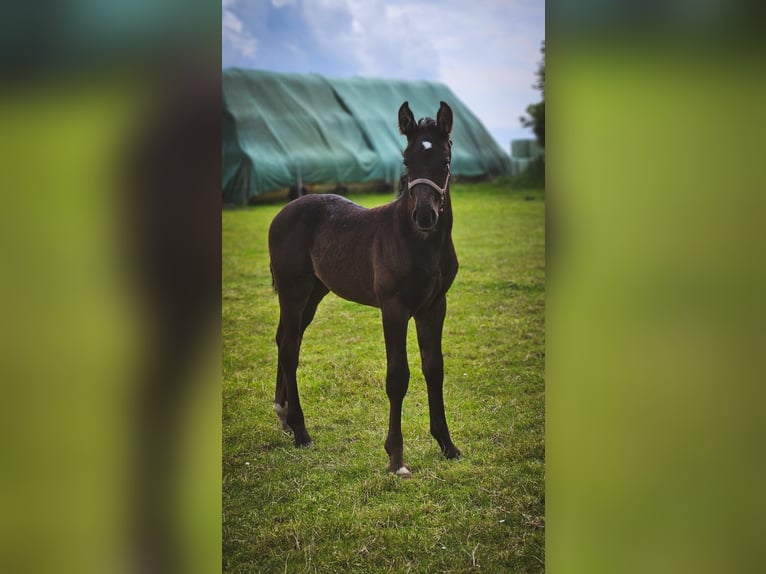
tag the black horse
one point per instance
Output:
(398, 257)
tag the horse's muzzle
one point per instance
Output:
(425, 218)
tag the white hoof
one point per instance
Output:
(282, 416)
(280, 410)
(404, 472)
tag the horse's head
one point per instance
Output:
(427, 161)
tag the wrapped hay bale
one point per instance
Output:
(520, 149)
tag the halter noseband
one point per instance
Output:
(442, 190)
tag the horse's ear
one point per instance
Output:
(406, 119)
(444, 118)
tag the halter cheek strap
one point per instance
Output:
(442, 190)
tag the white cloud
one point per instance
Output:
(374, 37)
(489, 52)
(231, 23)
(234, 32)
(486, 51)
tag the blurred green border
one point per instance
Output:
(654, 319)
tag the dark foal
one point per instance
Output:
(398, 257)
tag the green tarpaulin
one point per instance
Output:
(279, 128)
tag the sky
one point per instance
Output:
(485, 51)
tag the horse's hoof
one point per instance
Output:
(452, 453)
(302, 439)
(282, 416)
(403, 472)
(285, 427)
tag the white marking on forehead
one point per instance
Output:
(426, 144)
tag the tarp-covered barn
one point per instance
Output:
(282, 128)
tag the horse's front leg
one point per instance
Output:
(395, 319)
(429, 324)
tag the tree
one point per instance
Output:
(535, 117)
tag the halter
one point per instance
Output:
(442, 190)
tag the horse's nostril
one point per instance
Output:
(425, 218)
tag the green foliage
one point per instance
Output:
(535, 117)
(333, 507)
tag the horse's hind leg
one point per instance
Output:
(280, 394)
(296, 313)
(291, 304)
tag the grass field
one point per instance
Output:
(333, 507)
